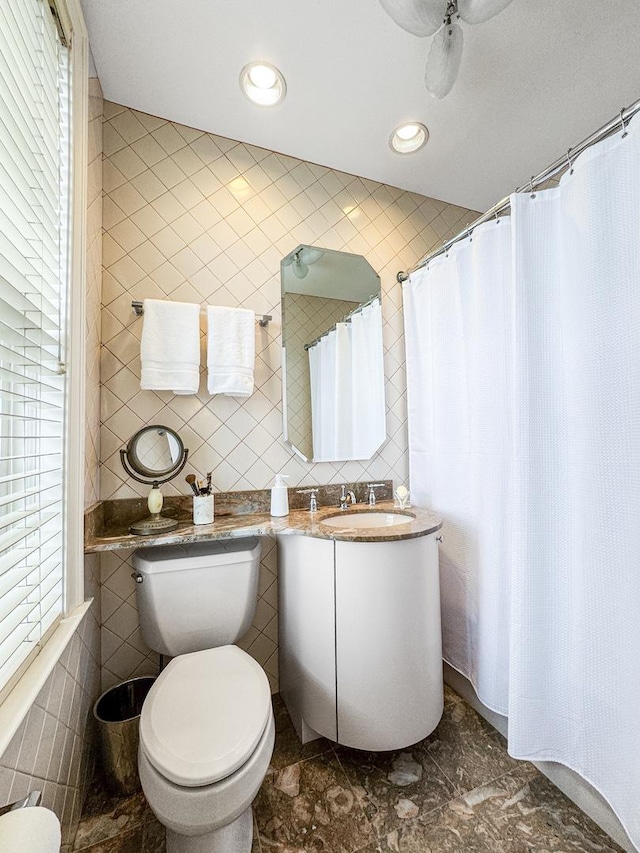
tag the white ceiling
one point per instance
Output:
(534, 80)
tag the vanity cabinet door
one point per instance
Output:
(307, 634)
(388, 640)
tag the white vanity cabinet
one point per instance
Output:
(360, 641)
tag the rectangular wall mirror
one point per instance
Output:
(332, 355)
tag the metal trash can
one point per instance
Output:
(118, 714)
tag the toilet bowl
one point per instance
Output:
(206, 738)
(207, 728)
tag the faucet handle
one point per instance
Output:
(343, 497)
(313, 503)
(372, 494)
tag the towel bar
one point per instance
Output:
(261, 319)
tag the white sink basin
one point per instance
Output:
(360, 520)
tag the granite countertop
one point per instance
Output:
(299, 522)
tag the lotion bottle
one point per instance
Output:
(280, 496)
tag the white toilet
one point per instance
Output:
(207, 727)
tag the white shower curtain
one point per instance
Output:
(459, 376)
(346, 371)
(561, 485)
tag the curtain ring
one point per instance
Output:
(498, 220)
(625, 132)
(533, 195)
(569, 161)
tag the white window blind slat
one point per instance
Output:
(21, 476)
(50, 607)
(16, 360)
(16, 555)
(13, 72)
(22, 320)
(15, 650)
(43, 403)
(14, 497)
(20, 28)
(15, 536)
(40, 509)
(13, 579)
(12, 337)
(23, 380)
(14, 609)
(34, 220)
(18, 190)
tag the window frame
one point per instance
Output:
(17, 699)
(72, 20)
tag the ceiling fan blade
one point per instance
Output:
(443, 62)
(419, 17)
(478, 11)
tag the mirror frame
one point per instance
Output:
(134, 467)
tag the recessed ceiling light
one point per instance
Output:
(409, 137)
(262, 83)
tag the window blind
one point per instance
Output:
(34, 217)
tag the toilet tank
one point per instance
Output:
(198, 596)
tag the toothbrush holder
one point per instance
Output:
(203, 509)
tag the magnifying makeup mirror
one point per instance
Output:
(154, 455)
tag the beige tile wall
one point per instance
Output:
(195, 217)
(52, 749)
(93, 296)
(306, 318)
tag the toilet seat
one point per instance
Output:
(205, 715)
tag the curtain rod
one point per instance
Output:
(345, 319)
(618, 123)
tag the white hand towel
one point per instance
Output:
(170, 347)
(231, 350)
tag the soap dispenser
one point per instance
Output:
(280, 496)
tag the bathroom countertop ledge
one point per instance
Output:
(297, 523)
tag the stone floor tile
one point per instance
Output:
(105, 816)
(153, 836)
(125, 842)
(466, 748)
(395, 786)
(457, 790)
(288, 749)
(310, 807)
(531, 814)
(444, 830)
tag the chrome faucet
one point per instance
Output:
(372, 493)
(346, 498)
(313, 501)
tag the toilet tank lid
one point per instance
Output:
(204, 716)
(196, 555)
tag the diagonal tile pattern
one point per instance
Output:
(93, 296)
(325, 798)
(195, 217)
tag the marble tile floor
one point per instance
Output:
(458, 790)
